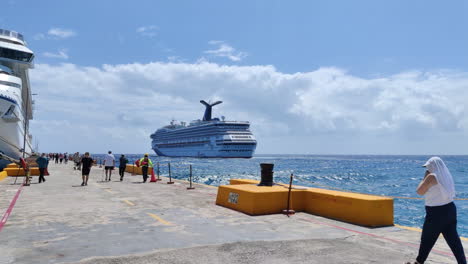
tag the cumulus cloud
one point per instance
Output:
(61, 54)
(323, 111)
(148, 31)
(55, 33)
(225, 50)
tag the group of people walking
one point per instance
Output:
(59, 157)
(86, 162)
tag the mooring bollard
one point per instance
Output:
(158, 172)
(170, 178)
(190, 188)
(289, 211)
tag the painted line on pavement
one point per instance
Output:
(420, 230)
(159, 219)
(109, 191)
(414, 245)
(129, 203)
(10, 208)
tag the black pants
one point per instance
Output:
(144, 171)
(121, 172)
(441, 219)
(41, 175)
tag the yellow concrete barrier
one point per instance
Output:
(3, 175)
(12, 165)
(20, 172)
(362, 209)
(136, 170)
(258, 200)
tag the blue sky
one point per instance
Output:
(374, 77)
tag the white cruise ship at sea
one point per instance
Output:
(16, 104)
(207, 138)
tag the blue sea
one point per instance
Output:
(396, 176)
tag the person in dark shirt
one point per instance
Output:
(122, 165)
(86, 163)
(42, 163)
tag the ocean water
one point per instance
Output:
(395, 176)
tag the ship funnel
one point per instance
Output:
(207, 116)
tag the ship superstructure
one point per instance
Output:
(16, 104)
(206, 138)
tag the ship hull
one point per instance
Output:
(11, 141)
(204, 152)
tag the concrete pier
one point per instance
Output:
(60, 221)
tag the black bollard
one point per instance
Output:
(170, 178)
(190, 188)
(266, 174)
(289, 211)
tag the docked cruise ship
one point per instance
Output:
(16, 104)
(206, 138)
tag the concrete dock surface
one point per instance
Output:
(60, 221)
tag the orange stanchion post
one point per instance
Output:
(170, 178)
(190, 188)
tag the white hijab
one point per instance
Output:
(436, 166)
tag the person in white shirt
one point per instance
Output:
(441, 213)
(109, 164)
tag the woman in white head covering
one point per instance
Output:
(441, 214)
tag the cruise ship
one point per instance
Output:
(206, 138)
(16, 104)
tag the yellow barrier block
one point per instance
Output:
(136, 170)
(12, 165)
(20, 172)
(361, 209)
(259, 200)
(3, 175)
(356, 208)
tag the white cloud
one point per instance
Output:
(226, 51)
(61, 33)
(55, 33)
(148, 31)
(323, 111)
(60, 54)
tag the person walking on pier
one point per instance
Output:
(42, 163)
(145, 163)
(77, 160)
(441, 213)
(109, 164)
(122, 165)
(86, 164)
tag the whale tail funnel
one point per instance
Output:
(207, 115)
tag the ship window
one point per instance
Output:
(10, 84)
(16, 55)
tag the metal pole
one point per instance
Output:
(158, 172)
(190, 188)
(289, 211)
(25, 124)
(170, 178)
